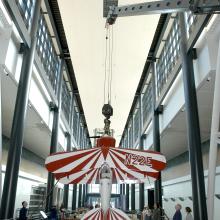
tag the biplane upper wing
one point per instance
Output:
(127, 165)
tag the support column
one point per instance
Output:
(17, 132)
(74, 197)
(132, 185)
(54, 136)
(121, 189)
(83, 194)
(80, 196)
(133, 197)
(127, 196)
(86, 193)
(156, 137)
(141, 147)
(141, 185)
(66, 187)
(193, 128)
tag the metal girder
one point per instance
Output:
(162, 7)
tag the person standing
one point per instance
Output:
(178, 214)
(53, 213)
(62, 211)
(23, 211)
(156, 212)
(188, 213)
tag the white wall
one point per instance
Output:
(24, 186)
(181, 187)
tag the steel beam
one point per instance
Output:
(162, 7)
(193, 128)
(74, 197)
(133, 197)
(156, 137)
(66, 187)
(155, 7)
(127, 196)
(80, 196)
(17, 132)
(83, 194)
(141, 185)
(54, 136)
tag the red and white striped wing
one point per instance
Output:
(94, 214)
(116, 214)
(128, 165)
(135, 166)
(112, 214)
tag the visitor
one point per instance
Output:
(178, 214)
(156, 212)
(146, 214)
(62, 211)
(23, 211)
(53, 213)
(188, 213)
(97, 206)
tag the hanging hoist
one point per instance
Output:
(107, 109)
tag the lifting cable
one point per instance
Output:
(108, 64)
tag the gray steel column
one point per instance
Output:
(80, 196)
(156, 137)
(17, 131)
(54, 136)
(141, 147)
(127, 196)
(193, 127)
(141, 185)
(74, 197)
(132, 185)
(121, 189)
(66, 187)
(132, 197)
(83, 194)
(86, 192)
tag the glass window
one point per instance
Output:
(47, 52)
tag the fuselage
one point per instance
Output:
(105, 187)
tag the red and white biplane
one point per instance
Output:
(105, 165)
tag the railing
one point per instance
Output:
(26, 8)
(75, 123)
(191, 20)
(66, 101)
(147, 103)
(47, 52)
(136, 125)
(168, 57)
(130, 137)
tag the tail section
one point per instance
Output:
(112, 214)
